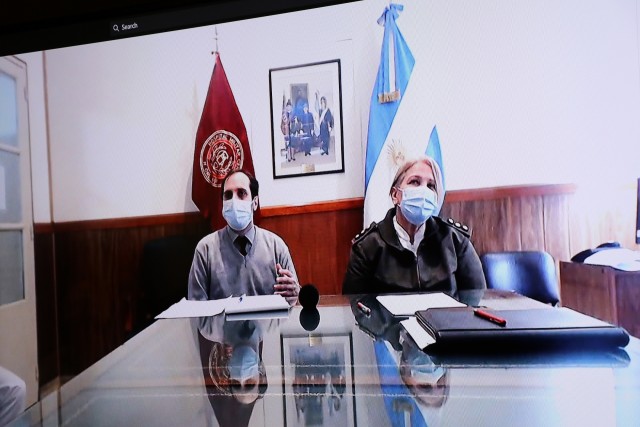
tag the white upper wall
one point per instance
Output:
(527, 92)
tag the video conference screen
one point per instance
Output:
(519, 94)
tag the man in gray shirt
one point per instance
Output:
(242, 258)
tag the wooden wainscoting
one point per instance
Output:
(515, 218)
(98, 281)
(46, 304)
(319, 238)
(94, 266)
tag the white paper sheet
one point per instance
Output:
(187, 308)
(256, 303)
(418, 333)
(619, 258)
(231, 305)
(407, 305)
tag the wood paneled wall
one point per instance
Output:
(98, 284)
(46, 304)
(95, 265)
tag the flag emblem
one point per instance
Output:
(221, 153)
(221, 146)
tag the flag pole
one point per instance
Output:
(215, 52)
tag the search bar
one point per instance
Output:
(209, 15)
(176, 19)
(125, 27)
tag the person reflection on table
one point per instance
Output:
(412, 384)
(234, 373)
(242, 258)
(427, 381)
(412, 249)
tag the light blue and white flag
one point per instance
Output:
(433, 151)
(383, 157)
(397, 126)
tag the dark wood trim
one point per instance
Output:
(493, 193)
(43, 228)
(475, 194)
(331, 206)
(130, 222)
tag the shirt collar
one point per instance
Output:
(250, 234)
(403, 236)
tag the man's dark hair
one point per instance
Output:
(253, 182)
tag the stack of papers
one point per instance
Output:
(407, 305)
(256, 303)
(231, 305)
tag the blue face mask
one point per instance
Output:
(244, 363)
(418, 204)
(421, 367)
(237, 213)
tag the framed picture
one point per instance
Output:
(318, 383)
(306, 119)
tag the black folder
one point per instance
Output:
(537, 329)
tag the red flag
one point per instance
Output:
(221, 146)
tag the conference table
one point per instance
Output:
(337, 366)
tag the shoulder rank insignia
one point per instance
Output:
(459, 226)
(364, 232)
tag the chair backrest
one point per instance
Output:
(530, 273)
(165, 266)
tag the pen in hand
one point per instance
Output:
(490, 317)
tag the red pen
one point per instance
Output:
(490, 317)
(366, 310)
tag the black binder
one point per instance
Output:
(525, 330)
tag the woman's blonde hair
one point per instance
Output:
(437, 175)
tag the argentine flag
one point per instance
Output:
(394, 133)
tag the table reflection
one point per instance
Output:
(319, 382)
(338, 367)
(411, 382)
(233, 368)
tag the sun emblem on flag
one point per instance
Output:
(396, 155)
(221, 153)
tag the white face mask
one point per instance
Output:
(418, 204)
(237, 213)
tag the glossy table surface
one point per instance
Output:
(338, 367)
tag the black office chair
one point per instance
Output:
(165, 266)
(530, 273)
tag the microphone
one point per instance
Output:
(309, 296)
(309, 315)
(309, 318)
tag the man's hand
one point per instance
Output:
(286, 285)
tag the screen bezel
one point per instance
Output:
(98, 27)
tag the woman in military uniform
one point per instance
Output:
(411, 249)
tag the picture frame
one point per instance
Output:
(318, 380)
(307, 141)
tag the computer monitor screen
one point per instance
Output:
(527, 101)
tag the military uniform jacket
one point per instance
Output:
(446, 260)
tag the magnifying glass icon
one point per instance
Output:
(115, 28)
